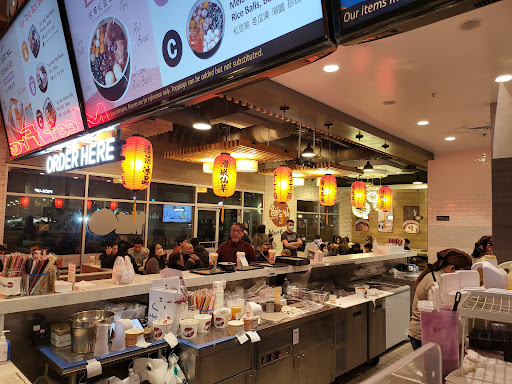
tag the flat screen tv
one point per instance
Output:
(38, 96)
(177, 214)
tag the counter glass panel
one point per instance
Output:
(39, 220)
(34, 181)
(113, 221)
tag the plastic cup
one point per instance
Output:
(236, 312)
(205, 322)
(272, 256)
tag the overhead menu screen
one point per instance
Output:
(133, 54)
(37, 92)
(354, 12)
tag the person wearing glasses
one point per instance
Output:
(228, 249)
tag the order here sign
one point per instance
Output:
(96, 153)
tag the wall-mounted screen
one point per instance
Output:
(38, 97)
(137, 54)
(177, 214)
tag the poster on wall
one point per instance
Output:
(279, 213)
(385, 221)
(363, 225)
(411, 225)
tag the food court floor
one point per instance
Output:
(365, 371)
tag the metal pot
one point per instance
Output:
(83, 327)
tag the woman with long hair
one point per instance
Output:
(260, 238)
(448, 261)
(156, 260)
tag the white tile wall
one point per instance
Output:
(459, 186)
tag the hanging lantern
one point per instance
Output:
(327, 193)
(283, 184)
(89, 205)
(224, 177)
(327, 190)
(113, 205)
(358, 194)
(385, 199)
(59, 203)
(25, 201)
(137, 166)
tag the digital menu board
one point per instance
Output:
(367, 20)
(135, 54)
(38, 97)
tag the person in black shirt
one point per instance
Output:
(263, 256)
(356, 248)
(290, 239)
(200, 251)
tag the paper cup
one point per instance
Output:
(189, 328)
(361, 292)
(205, 322)
(92, 259)
(235, 326)
(221, 318)
(332, 299)
(253, 309)
(101, 339)
(213, 258)
(250, 323)
(132, 336)
(160, 329)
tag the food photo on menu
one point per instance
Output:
(205, 28)
(110, 58)
(42, 77)
(34, 41)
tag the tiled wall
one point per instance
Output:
(459, 186)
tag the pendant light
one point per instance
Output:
(358, 188)
(308, 152)
(59, 203)
(385, 200)
(328, 188)
(224, 177)
(417, 181)
(113, 205)
(368, 167)
(137, 166)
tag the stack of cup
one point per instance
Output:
(218, 288)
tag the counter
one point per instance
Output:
(106, 290)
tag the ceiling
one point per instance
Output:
(437, 73)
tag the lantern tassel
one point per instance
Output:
(134, 209)
(222, 213)
(327, 216)
(282, 216)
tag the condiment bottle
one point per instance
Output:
(5, 348)
(277, 302)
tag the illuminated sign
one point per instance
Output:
(44, 191)
(133, 55)
(96, 153)
(38, 98)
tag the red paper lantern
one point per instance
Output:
(89, 205)
(113, 205)
(224, 175)
(358, 194)
(59, 203)
(385, 200)
(283, 184)
(137, 166)
(24, 201)
(327, 190)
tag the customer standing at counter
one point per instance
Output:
(290, 239)
(138, 252)
(228, 249)
(448, 261)
(156, 260)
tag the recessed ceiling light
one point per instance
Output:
(41, 173)
(422, 122)
(449, 138)
(503, 78)
(377, 167)
(331, 68)
(469, 25)
(75, 177)
(399, 172)
(389, 102)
